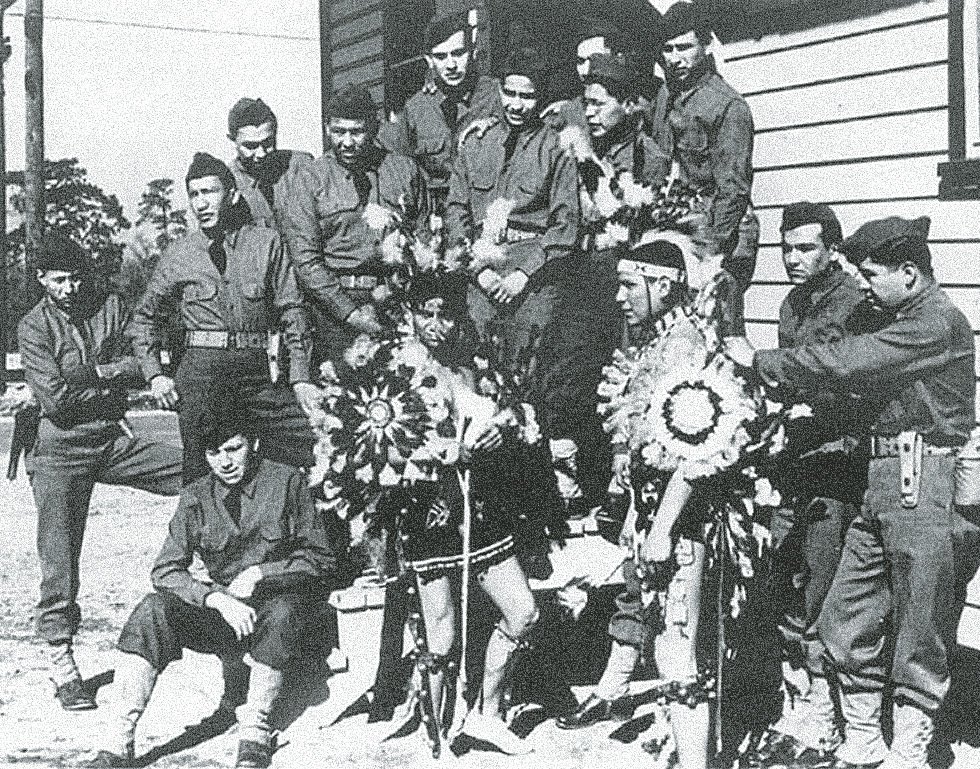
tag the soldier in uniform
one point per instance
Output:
(79, 367)
(825, 305)
(516, 172)
(253, 524)
(263, 174)
(234, 285)
(710, 134)
(334, 246)
(429, 127)
(588, 324)
(889, 618)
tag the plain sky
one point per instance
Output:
(133, 98)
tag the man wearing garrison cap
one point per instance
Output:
(889, 617)
(455, 95)
(824, 305)
(516, 180)
(78, 364)
(337, 215)
(709, 133)
(588, 324)
(263, 173)
(232, 284)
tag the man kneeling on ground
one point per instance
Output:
(254, 526)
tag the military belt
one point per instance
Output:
(363, 282)
(228, 340)
(895, 445)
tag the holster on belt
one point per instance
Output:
(910, 447)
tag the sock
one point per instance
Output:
(63, 667)
(619, 669)
(253, 717)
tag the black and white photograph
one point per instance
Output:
(572, 384)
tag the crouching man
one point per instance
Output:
(253, 525)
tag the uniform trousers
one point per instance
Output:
(67, 465)
(163, 625)
(890, 613)
(206, 376)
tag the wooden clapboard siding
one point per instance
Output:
(855, 113)
(356, 45)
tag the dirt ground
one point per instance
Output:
(124, 532)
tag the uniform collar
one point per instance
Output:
(819, 286)
(914, 304)
(683, 93)
(247, 486)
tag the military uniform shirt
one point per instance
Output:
(257, 289)
(540, 179)
(421, 131)
(55, 347)
(712, 138)
(278, 529)
(325, 227)
(262, 212)
(919, 369)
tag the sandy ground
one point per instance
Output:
(124, 532)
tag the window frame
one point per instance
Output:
(959, 177)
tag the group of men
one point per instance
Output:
(292, 244)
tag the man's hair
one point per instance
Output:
(444, 27)
(60, 253)
(617, 74)
(203, 165)
(611, 35)
(896, 255)
(684, 17)
(803, 213)
(222, 419)
(531, 64)
(250, 112)
(353, 102)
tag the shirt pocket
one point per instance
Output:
(253, 290)
(200, 292)
(691, 135)
(216, 541)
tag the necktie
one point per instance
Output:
(510, 145)
(363, 186)
(233, 505)
(450, 110)
(216, 250)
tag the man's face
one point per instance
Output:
(450, 59)
(683, 55)
(520, 99)
(804, 254)
(349, 138)
(63, 287)
(208, 199)
(640, 298)
(585, 50)
(230, 461)
(890, 286)
(431, 323)
(253, 144)
(603, 111)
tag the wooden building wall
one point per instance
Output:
(855, 114)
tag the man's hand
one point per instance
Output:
(244, 584)
(740, 350)
(239, 616)
(621, 471)
(478, 127)
(309, 397)
(488, 280)
(164, 391)
(365, 320)
(554, 108)
(491, 438)
(510, 287)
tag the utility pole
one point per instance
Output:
(34, 208)
(4, 303)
